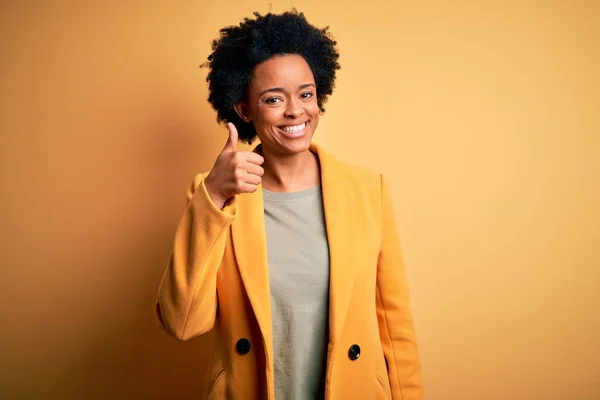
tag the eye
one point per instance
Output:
(306, 95)
(273, 100)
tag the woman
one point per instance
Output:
(291, 255)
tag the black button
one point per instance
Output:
(354, 352)
(243, 346)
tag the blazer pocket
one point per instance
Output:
(385, 389)
(215, 380)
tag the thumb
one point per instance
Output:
(232, 139)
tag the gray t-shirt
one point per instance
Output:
(298, 258)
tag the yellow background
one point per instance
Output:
(484, 115)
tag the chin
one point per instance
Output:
(284, 147)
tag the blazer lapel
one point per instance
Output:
(338, 211)
(250, 247)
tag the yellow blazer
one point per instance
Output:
(217, 276)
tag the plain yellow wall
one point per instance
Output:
(484, 115)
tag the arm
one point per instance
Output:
(187, 297)
(393, 311)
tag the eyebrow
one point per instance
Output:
(281, 90)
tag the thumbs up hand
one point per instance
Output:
(234, 172)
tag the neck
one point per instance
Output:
(290, 173)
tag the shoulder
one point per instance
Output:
(358, 174)
(362, 187)
(361, 181)
(349, 173)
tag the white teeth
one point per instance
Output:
(293, 129)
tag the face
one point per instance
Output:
(282, 105)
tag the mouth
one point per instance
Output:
(294, 131)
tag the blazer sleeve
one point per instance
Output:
(187, 296)
(393, 311)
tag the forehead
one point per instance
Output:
(288, 71)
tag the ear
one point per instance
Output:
(241, 108)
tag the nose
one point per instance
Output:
(294, 109)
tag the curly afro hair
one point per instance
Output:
(239, 49)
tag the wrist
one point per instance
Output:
(218, 201)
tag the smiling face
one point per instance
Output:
(282, 104)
